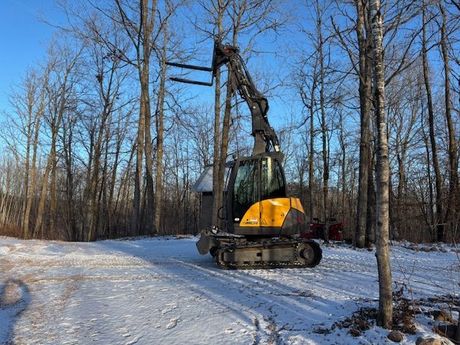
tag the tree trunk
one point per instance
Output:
(430, 214)
(58, 104)
(311, 158)
(452, 149)
(138, 174)
(383, 171)
(216, 153)
(33, 167)
(71, 233)
(362, 32)
(42, 200)
(217, 194)
(343, 175)
(226, 122)
(148, 16)
(52, 229)
(370, 212)
(160, 134)
(324, 129)
(431, 121)
(225, 137)
(143, 45)
(29, 134)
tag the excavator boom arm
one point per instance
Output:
(265, 138)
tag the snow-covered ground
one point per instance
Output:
(161, 291)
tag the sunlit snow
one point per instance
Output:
(161, 291)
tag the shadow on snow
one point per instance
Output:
(14, 299)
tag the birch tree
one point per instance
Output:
(382, 170)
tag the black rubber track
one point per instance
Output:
(297, 263)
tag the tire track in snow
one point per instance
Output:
(262, 301)
(241, 288)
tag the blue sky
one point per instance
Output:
(24, 39)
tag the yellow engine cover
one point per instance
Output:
(270, 212)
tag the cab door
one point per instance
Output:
(244, 190)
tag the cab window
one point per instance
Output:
(272, 179)
(245, 188)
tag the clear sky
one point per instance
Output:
(24, 38)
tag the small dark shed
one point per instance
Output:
(204, 186)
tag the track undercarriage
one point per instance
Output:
(238, 252)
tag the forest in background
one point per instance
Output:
(99, 143)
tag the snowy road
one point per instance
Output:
(160, 291)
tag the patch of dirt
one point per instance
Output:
(444, 299)
(404, 312)
(11, 294)
(6, 265)
(360, 321)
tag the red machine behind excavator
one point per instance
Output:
(318, 229)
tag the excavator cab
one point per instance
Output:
(257, 203)
(253, 179)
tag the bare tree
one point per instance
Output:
(107, 83)
(308, 86)
(171, 7)
(399, 56)
(365, 89)
(383, 171)
(59, 90)
(452, 141)
(138, 23)
(431, 122)
(29, 107)
(320, 46)
(404, 97)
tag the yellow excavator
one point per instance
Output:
(262, 224)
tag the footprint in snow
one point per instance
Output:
(132, 342)
(169, 307)
(172, 323)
